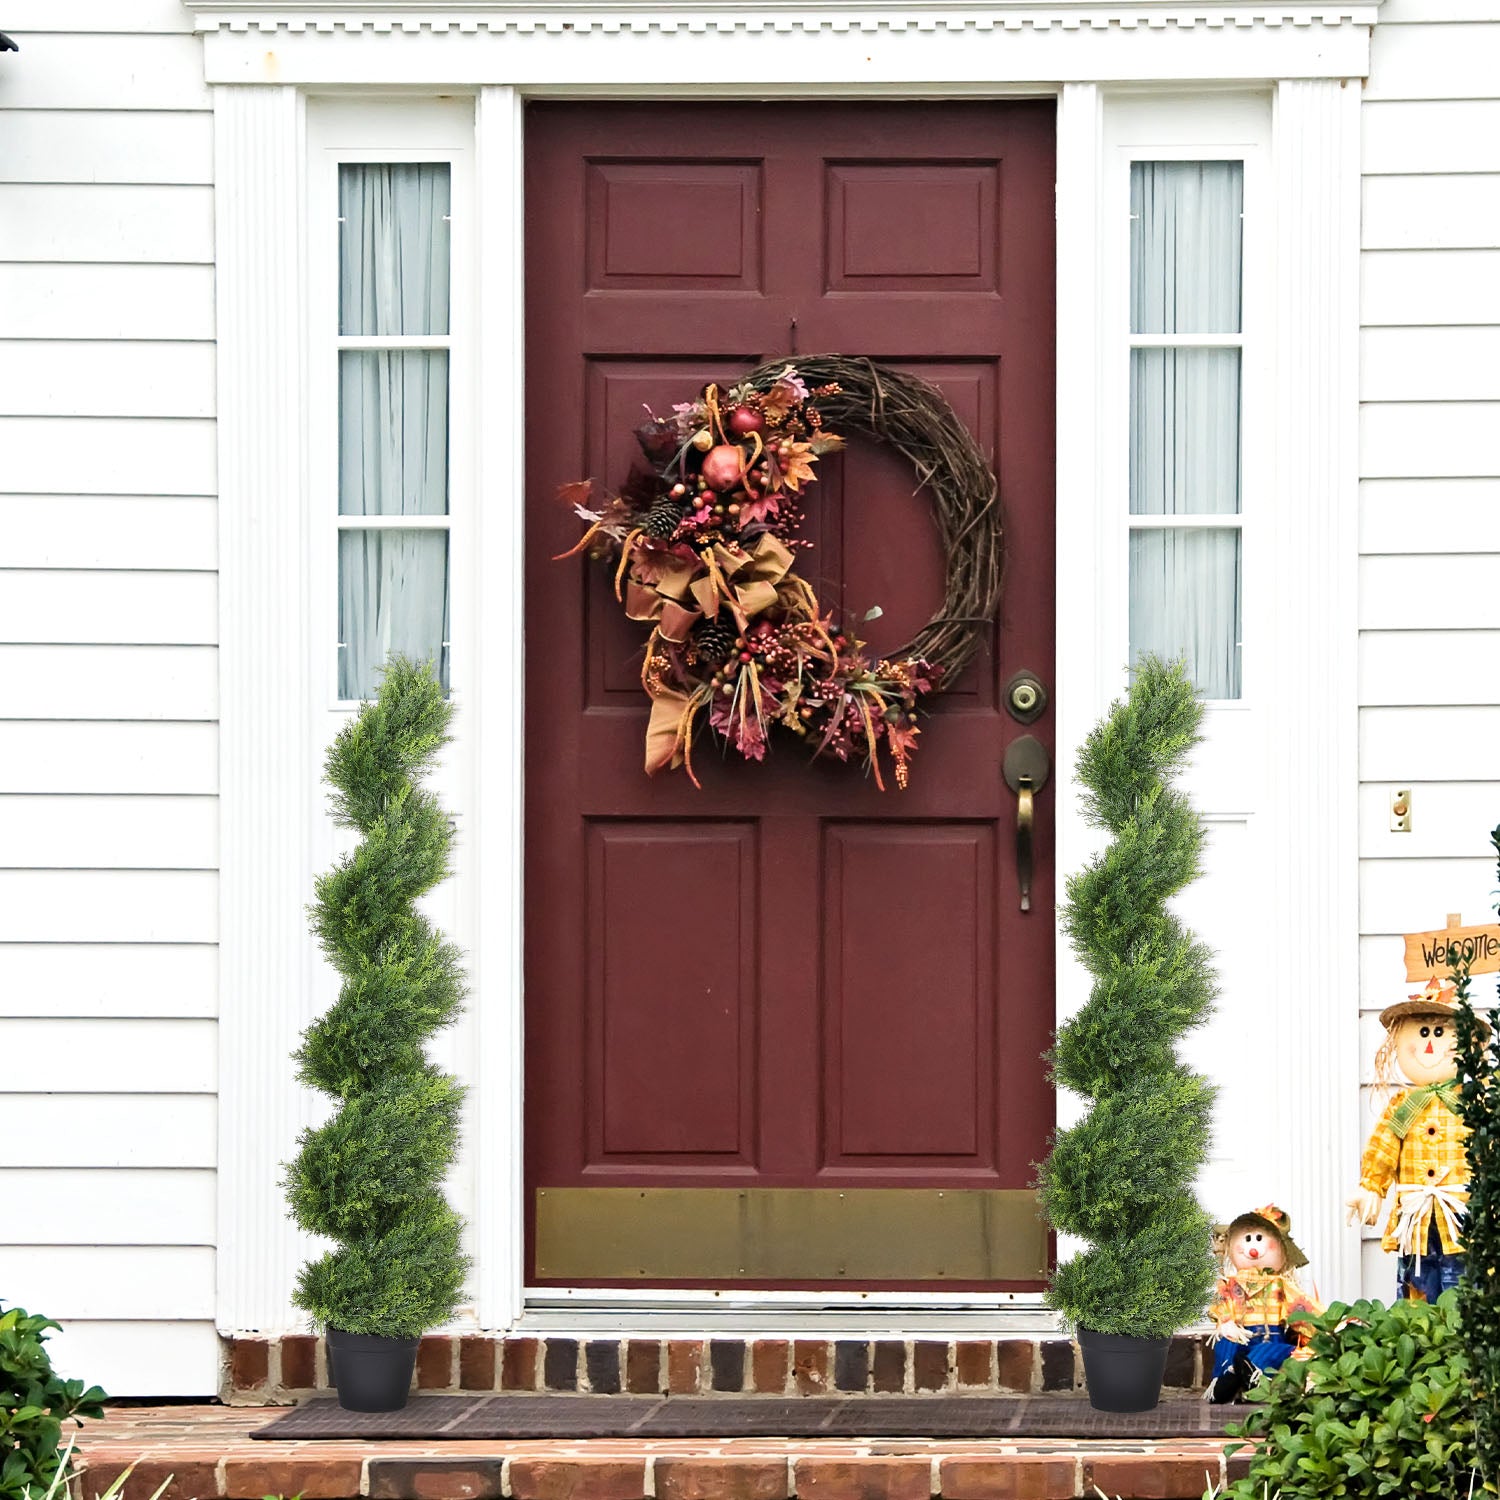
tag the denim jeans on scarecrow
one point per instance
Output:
(1436, 1273)
(1268, 1349)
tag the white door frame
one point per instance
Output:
(263, 59)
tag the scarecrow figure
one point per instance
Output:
(1415, 1157)
(1259, 1303)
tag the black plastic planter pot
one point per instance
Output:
(369, 1371)
(1124, 1373)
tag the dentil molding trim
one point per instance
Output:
(845, 47)
(404, 17)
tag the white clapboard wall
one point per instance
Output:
(108, 691)
(1429, 493)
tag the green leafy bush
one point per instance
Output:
(1479, 1291)
(1382, 1408)
(35, 1402)
(371, 1177)
(1122, 1177)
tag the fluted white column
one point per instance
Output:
(267, 775)
(1085, 558)
(498, 692)
(1088, 654)
(1312, 1041)
(1090, 553)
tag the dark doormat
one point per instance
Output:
(568, 1416)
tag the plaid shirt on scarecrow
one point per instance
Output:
(1419, 1147)
(1261, 1299)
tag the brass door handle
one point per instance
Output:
(1024, 806)
(1026, 767)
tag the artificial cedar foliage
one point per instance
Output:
(1122, 1177)
(370, 1178)
(1479, 1291)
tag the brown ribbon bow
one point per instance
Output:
(669, 735)
(724, 575)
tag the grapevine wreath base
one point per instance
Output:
(704, 538)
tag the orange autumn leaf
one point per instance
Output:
(782, 397)
(577, 494)
(796, 466)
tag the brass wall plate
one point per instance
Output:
(789, 1234)
(1026, 756)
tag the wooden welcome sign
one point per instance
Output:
(1428, 954)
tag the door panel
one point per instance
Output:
(909, 1015)
(630, 201)
(642, 1005)
(820, 1000)
(880, 218)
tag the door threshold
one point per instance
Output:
(813, 1314)
(569, 1296)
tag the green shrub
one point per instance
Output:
(371, 1176)
(35, 1402)
(1381, 1409)
(1122, 1177)
(1479, 1291)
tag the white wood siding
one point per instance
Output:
(1429, 659)
(108, 741)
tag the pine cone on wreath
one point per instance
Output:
(662, 520)
(714, 641)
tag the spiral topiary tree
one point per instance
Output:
(371, 1177)
(1122, 1178)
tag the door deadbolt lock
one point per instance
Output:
(1025, 697)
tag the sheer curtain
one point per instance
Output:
(1185, 416)
(393, 419)
(1185, 246)
(1185, 601)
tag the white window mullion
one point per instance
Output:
(394, 523)
(1187, 521)
(394, 341)
(1187, 341)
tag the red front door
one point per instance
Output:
(786, 1030)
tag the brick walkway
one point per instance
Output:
(209, 1453)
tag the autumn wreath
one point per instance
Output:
(703, 540)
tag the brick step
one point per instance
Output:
(210, 1456)
(257, 1370)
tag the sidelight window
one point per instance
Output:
(1186, 357)
(393, 418)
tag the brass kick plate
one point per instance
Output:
(789, 1234)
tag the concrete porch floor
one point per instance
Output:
(209, 1454)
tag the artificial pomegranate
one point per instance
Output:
(723, 467)
(743, 420)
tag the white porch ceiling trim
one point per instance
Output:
(1013, 15)
(871, 46)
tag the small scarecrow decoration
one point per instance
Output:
(1259, 1304)
(1415, 1158)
